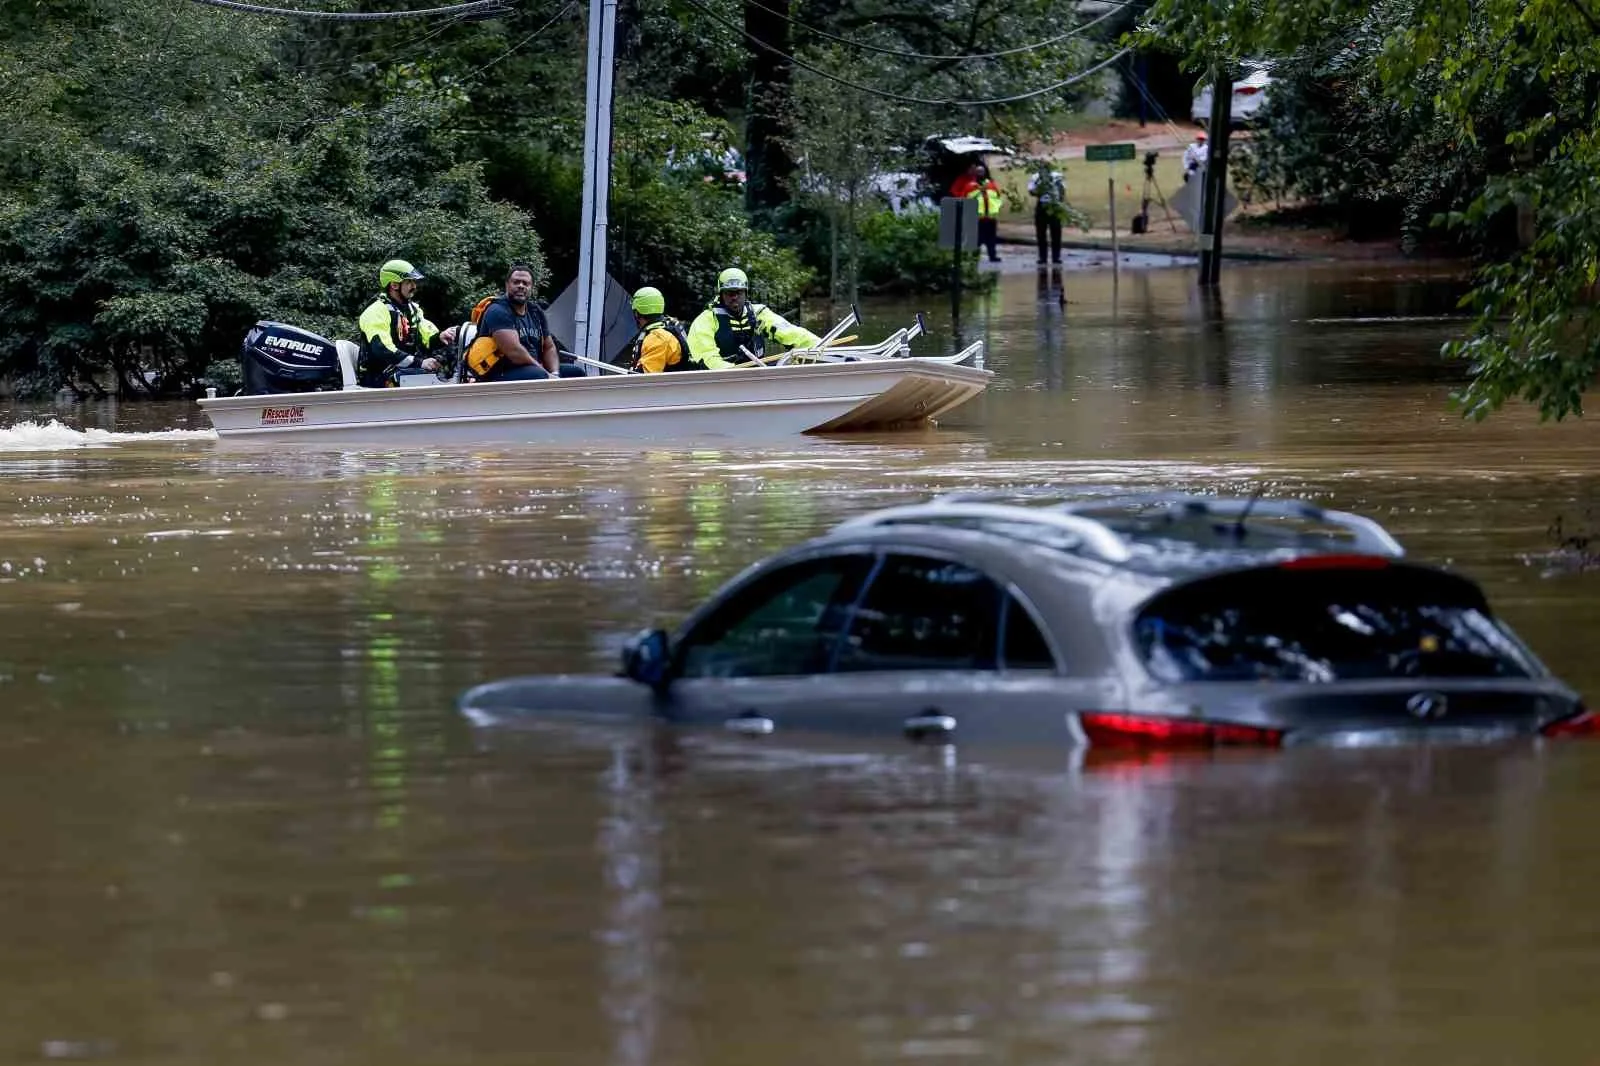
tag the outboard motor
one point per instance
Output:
(279, 358)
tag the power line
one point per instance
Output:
(396, 51)
(898, 53)
(802, 64)
(469, 9)
(524, 42)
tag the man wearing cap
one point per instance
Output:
(1194, 156)
(661, 344)
(732, 322)
(397, 337)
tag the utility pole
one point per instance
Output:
(1216, 188)
(589, 313)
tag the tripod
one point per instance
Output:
(1141, 221)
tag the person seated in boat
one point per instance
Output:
(731, 321)
(661, 344)
(397, 338)
(514, 341)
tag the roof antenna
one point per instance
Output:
(1238, 523)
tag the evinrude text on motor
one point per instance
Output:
(277, 358)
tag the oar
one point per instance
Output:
(803, 353)
(830, 337)
(594, 362)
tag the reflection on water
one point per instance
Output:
(245, 824)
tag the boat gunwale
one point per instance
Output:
(723, 378)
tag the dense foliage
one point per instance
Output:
(173, 171)
(1477, 117)
(150, 211)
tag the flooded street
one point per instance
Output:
(244, 823)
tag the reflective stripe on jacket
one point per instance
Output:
(715, 335)
(393, 336)
(990, 199)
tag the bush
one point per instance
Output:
(901, 254)
(139, 251)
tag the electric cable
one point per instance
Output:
(551, 21)
(902, 98)
(469, 9)
(898, 53)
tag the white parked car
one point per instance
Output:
(1249, 93)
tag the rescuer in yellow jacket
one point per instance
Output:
(661, 345)
(396, 336)
(717, 333)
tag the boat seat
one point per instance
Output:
(466, 333)
(349, 352)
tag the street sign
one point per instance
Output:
(1108, 153)
(958, 215)
(1187, 200)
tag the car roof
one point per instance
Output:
(1159, 537)
(957, 144)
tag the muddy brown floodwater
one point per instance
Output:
(243, 823)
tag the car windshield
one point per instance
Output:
(1326, 625)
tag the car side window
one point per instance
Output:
(922, 613)
(1023, 647)
(784, 623)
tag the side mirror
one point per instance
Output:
(645, 657)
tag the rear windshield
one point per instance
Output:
(1326, 625)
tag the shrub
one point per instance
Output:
(901, 253)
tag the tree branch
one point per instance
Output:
(1588, 16)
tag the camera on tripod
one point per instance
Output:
(1141, 221)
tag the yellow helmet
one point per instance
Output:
(397, 270)
(732, 279)
(649, 301)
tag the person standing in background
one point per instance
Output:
(990, 202)
(1049, 189)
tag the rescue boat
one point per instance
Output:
(301, 387)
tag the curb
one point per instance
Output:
(1185, 249)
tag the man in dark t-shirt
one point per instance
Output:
(523, 348)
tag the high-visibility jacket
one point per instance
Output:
(394, 337)
(715, 335)
(990, 199)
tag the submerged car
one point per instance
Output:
(1148, 622)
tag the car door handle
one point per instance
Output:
(930, 725)
(750, 724)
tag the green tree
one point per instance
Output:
(150, 212)
(1508, 85)
(843, 139)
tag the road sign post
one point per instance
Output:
(1111, 154)
(958, 232)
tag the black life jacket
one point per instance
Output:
(733, 332)
(673, 327)
(376, 365)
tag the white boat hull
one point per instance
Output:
(741, 404)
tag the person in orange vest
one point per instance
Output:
(965, 182)
(990, 202)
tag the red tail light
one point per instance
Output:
(1582, 724)
(1336, 562)
(1108, 730)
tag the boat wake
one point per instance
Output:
(53, 436)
